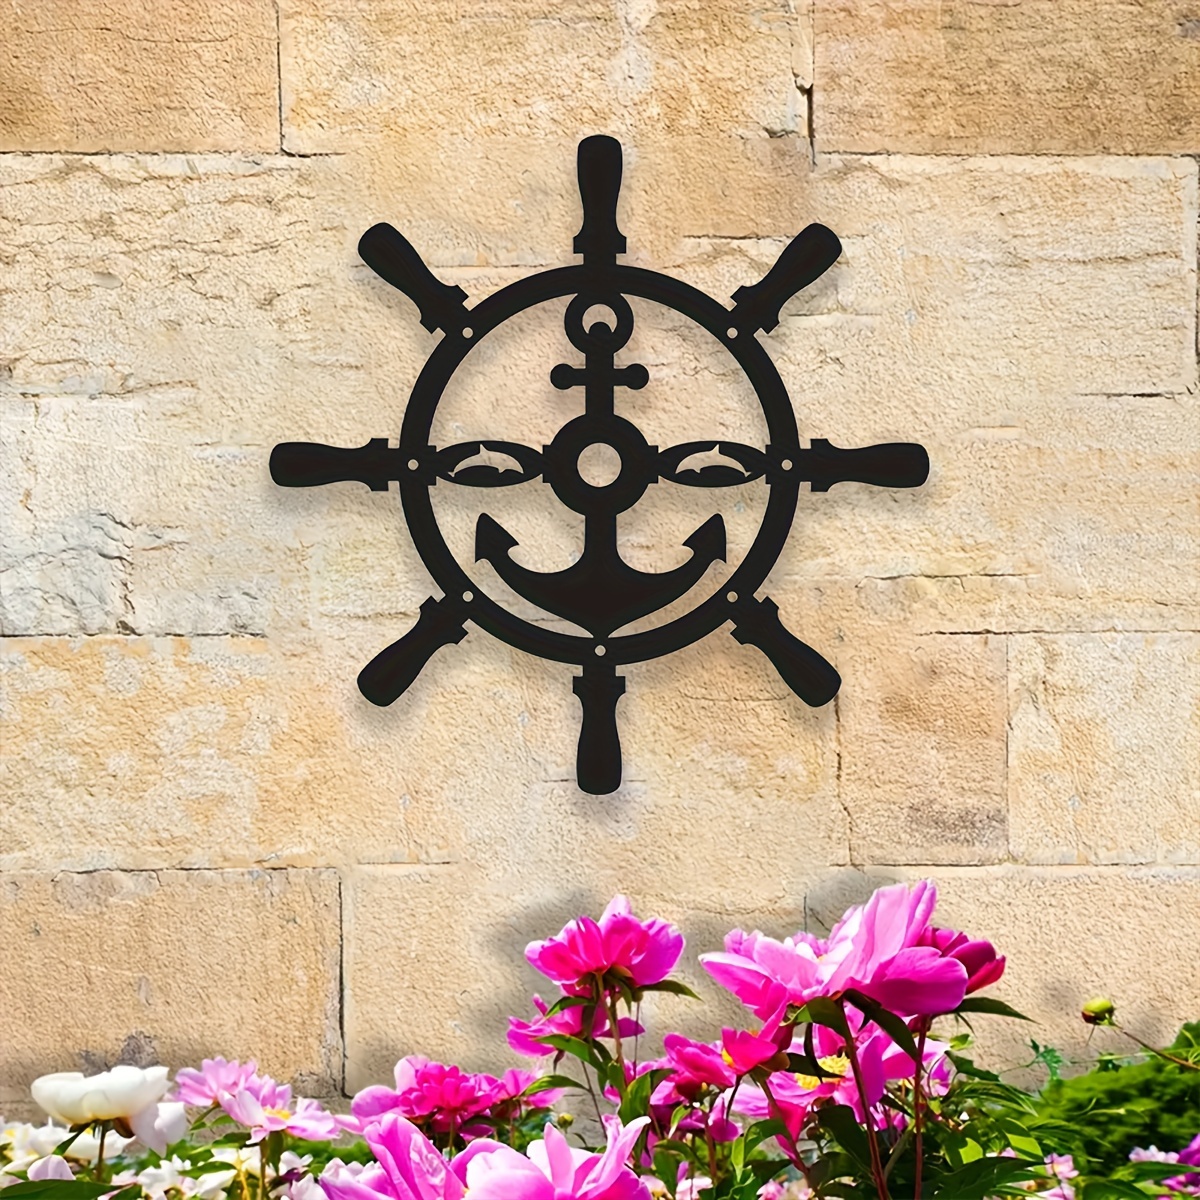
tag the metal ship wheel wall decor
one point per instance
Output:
(600, 593)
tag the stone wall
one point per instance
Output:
(209, 842)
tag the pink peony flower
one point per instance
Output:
(983, 965)
(216, 1078)
(642, 952)
(881, 1061)
(744, 1051)
(695, 1065)
(875, 948)
(407, 1167)
(443, 1098)
(509, 1099)
(523, 1035)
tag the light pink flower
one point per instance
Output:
(214, 1079)
(407, 1167)
(875, 948)
(264, 1107)
(641, 952)
(554, 1170)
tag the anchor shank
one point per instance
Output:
(598, 759)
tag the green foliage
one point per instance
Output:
(1100, 1116)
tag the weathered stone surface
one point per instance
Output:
(1007, 76)
(921, 735)
(126, 75)
(975, 313)
(466, 121)
(201, 752)
(168, 967)
(535, 68)
(1103, 765)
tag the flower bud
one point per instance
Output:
(1099, 1011)
(564, 1121)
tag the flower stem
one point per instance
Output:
(100, 1153)
(877, 1174)
(1179, 1062)
(919, 1109)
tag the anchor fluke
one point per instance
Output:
(392, 671)
(601, 591)
(757, 623)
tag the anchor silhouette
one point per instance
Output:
(600, 593)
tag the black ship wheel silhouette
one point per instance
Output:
(600, 593)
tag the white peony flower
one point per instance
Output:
(123, 1092)
(160, 1125)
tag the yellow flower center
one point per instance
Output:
(835, 1064)
(281, 1113)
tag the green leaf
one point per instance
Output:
(823, 1011)
(891, 1024)
(1110, 1189)
(545, 1083)
(565, 1002)
(965, 1066)
(57, 1189)
(979, 1178)
(987, 1004)
(670, 985)
(636, 1101)
(839, 1122)
(760, 1131)
(591, 1053)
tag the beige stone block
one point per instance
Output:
(921, 736)
(171, 966)
(1006, 76)
(120, 75)
(465, 122)
(1103, 766)
(164, 331)
(165, 752)
(433, 966)
(534, 69)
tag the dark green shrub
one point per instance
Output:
(1099, 1117)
